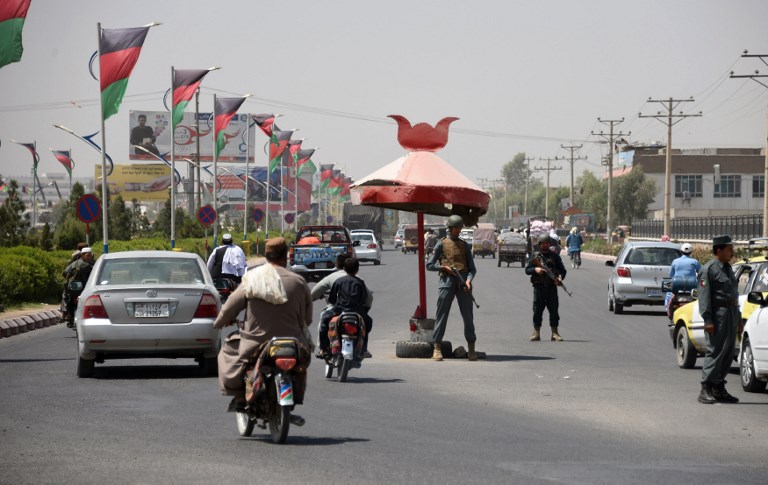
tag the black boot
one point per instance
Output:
(721, 395)
(705, 396)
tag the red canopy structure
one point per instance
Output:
(424, 183)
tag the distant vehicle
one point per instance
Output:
(467, 235)
(753, 354)
(366, 246)
(637, 274)
(512, 248)
(147, 304)
(484, 240)
(313, 254)
(399, 236)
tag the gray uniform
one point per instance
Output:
(719, 304)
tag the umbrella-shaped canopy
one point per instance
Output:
(424, 183)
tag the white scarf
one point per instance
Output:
(264, 283)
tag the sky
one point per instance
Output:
(522, 76)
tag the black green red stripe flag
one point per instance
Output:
(304, 162)
(326, 172)
(12, 16)
(224, 109)
(278, 142)
(119, 50)
(185, 83)
(32, 147)
(65, 158)
(265, 122)
(336, 182)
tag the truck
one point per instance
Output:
(364, 217)
(313, 254)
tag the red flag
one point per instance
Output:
(12, 16)
(224, 109)
(185, 83)
(265, 122)
(119, 50)
(65, 158)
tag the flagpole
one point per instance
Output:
(269, 189)
(247, 155)
(173, 170)
(34, 187)
(70, 172)
(104, 185)
(282, 198)
(215, 177)
(296, 193)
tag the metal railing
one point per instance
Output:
(740, 228)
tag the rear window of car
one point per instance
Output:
(150, 271)
(652, 256)
(367, 238)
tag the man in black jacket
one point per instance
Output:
(545, 287)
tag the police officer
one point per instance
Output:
(719, 307)
(544, 287)
(453, 252)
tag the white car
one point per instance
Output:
(369, 248)
(753, 354)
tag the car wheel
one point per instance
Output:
(618, 308)
(85, 367)
(209, 366)
(749, 380)
(686, 352)
(376, 262)
(610, 303)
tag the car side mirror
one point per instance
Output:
(75, 286)
(756, 298)
(695, 293)
(610, 263)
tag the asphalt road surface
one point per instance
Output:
(608, 405)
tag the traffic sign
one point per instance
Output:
(289, 217)
(258, 214)
(206, 215)
(329, 219)
(88, 208)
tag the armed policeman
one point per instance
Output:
(545, 287)
(452, 252)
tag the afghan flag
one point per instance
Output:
(119, 50)
(304, 163)
(65, 158)
(266, 123)
(33, 150)
(335, 184)
(278, 142)
(185, 83)
(3, 186)
(12, 16)
(293, 149)
(224, 109)
(326, 172)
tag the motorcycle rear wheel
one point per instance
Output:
(279, 423)
(244, 424)
(328, 371)
(344, 370)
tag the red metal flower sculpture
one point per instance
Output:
(422, 136)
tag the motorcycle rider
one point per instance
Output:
(574, 241)
(227, 261)
(278, 303)
(685, 266)
(320, 290)
(430, 241)
(349, 294)
(77, 270)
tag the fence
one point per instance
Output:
(740, 228)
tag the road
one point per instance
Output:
(608, 405)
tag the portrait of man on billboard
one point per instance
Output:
(144, 136)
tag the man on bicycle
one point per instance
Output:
(573, 242)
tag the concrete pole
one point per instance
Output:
(668, 171)
(765, 180)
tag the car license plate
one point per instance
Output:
(150, 310)
(322, 265)
(653, 291)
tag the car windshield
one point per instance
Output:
(150, 271)
(652, 256)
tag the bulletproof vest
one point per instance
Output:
(454, 254)
(547, 261)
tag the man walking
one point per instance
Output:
(227, 261)
(545, 287)
(719, 307)
(453, 253)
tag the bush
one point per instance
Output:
(31, 275)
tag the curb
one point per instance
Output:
(27, 323)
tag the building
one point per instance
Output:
(694, 188)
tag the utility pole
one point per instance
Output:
(670, 104)
(610, 136)
(755, 77)
(496, 183)
(548, 169)
(572, 160)
(527, 179)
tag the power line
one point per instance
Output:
(548, 169)
(610, 137)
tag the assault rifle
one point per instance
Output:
(462, 285)
(558, 282)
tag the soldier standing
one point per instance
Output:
(719, 307)
(453, 252)
(545, 287)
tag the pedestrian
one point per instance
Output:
(719, 308)
(227, 261)
(545, 287)
(451, 253)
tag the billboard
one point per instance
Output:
(231, 189)
(141, 181)
(152, 130)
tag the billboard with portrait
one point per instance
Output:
(152, 130)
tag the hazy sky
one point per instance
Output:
(523, 76)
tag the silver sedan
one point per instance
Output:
(147, 304)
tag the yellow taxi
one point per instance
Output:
(687, 327)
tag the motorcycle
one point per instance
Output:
(69, 302)
(679, 292)
(575, 259)
(225, 287)
(274, 384)
(346, 333)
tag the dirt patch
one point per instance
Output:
(29, 309)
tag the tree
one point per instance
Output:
(594, 197)
(119, 220)
(516, 173)
(13, 226)
(69, 229)
(632, 195)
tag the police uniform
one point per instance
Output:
(719, 305)
(455, 253)
(545, 291)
